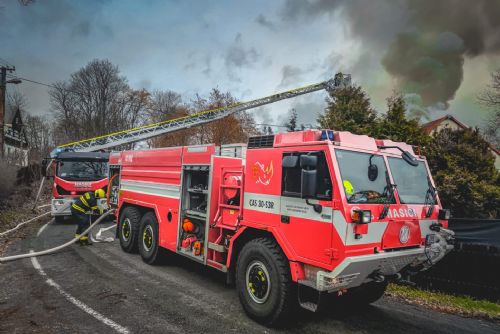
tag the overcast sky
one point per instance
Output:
(256, 48)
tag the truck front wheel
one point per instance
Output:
(263, 281)
(148, 238)
(128, 228)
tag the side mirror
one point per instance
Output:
(308, 184)
(372, 170)
(409, 158)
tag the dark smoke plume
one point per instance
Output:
(424, 42)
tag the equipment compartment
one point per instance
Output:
(193, 211)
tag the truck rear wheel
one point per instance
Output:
(148, 238)
(128, 229)
(263, 281)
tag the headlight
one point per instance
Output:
(362, 216)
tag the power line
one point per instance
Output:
(123, 102)
(43, 84)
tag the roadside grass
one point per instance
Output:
(9, 216)
(462, 305)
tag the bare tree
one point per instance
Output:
(234, 128)
(163, 106)
(491, 129)
(490, 98)
(39, 132)
(96, 100)
(291, 124)
(16, 100)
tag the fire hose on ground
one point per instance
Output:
(57, 248)
(32, 219)
(24, 223)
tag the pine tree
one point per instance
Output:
(349, 109)
(464, 171)
(395, 125)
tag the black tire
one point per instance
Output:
(271, 301)
(148, 238)
(365, 294)
(128, 229)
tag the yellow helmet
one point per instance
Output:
(99, 193)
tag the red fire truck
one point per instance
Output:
(289, 217)
(75, 173)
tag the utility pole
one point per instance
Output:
(3, 84)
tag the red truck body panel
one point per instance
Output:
(225, 197)
(82, 173)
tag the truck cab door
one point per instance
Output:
(307, 223)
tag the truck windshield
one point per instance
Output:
(412, 181)
(82, 170)
(359, 187)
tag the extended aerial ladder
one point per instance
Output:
(152, 130)
(156, 129)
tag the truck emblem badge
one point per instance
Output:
(262, 174)
(404, 234)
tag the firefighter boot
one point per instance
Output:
(84, 241)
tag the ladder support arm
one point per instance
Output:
(152, 130)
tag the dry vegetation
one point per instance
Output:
(460, 305)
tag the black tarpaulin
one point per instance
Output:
(485, 232)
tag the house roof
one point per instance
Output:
(10, 113)
(432, 125)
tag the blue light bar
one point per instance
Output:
(327, 134)
(55, 152)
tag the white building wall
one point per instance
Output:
(21, 155)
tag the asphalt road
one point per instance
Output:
(100, 289)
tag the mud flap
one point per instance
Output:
(309, 298)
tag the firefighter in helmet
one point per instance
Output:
(87, 203)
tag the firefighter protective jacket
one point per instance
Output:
(86, 202)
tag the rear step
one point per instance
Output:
(309, 298)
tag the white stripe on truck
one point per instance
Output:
(286, 206)
(148, 188)
(297, 207)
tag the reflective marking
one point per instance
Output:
(424, 227)
(340, 225)
(148, 188)
(375, 232)
(297, 207)
(82, 306)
